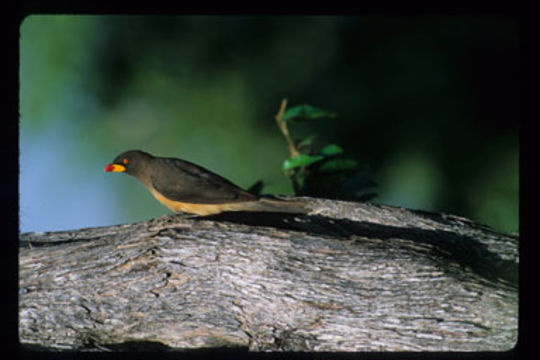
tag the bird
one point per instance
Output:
(183, 186)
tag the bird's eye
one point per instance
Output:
(125, 161)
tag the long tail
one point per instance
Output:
(269, 204)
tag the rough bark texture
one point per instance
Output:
(348, 277)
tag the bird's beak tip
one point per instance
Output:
(114, 168)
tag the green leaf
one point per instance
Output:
(301, 160)
(313, 112)
(305, 111)
(332, 149)
(307, 141)
(338, 165)
(293, 112)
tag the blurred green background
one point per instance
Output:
(428, 104)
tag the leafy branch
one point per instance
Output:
(326, 172)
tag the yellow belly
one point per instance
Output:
(199, 209)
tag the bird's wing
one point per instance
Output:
(183, 181)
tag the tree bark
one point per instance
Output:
(346, 277)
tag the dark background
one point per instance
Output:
(430, 105)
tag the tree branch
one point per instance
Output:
(348, 277)
(282, 125)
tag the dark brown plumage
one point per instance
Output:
(184, 186)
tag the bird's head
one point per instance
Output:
(131, 162)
